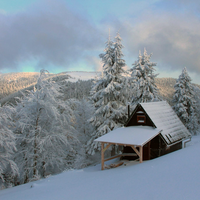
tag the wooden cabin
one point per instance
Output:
(152, 130)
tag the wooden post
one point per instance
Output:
(102, 156)
(141, 154)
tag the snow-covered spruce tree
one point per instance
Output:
(143, 80)
(8, 168)
(108, 94)
(184, 102)
(43, 129)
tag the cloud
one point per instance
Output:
(2, 12)
(173, 39)
(168, 29)
(51, 34)
(95, 63)
(48, 32)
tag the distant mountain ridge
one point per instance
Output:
(12, 83)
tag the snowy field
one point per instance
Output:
(82, 75)
(172, 177)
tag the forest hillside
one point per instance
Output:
(12, 83)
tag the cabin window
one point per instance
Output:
(141, 119)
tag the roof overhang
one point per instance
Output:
(132, 135)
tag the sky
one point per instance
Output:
(69, 35)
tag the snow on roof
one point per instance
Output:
(132, 135)
(164, 117)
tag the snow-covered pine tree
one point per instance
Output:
(197, 99)
(143, 80)
(184, 102)
(108, 94)
(83, 112)
(44, 130)
(8, 168)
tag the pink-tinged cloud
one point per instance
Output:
(50, 33)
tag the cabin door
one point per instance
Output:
(146, 151)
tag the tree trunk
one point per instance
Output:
(26, 172)
(43, 167)
(35, 145)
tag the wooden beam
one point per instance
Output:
(120, 155)
(129, 154)
(141, 154)
(122, 144)
(136, 151)
(113, 157)
(113, 165)
(106, 147)
(102, 156)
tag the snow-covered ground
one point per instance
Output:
(172, 177)
(82, 75)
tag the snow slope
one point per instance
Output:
(82, 75)
(173, 176)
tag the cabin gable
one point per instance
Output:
(139, 117)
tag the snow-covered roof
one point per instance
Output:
(164, 117)
(132, 135)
